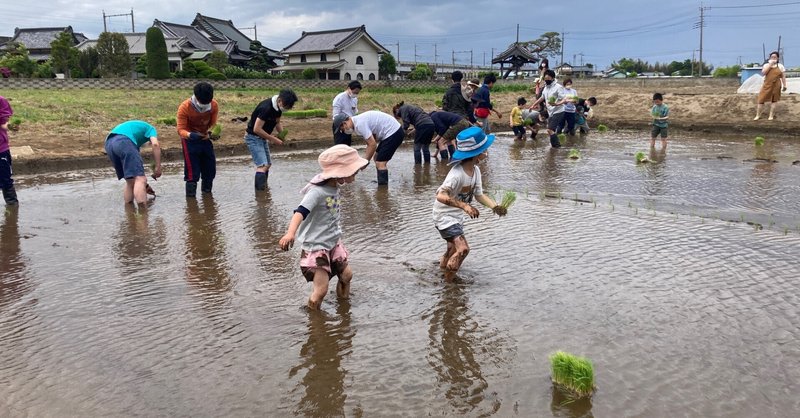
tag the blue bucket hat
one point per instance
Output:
(471, 142)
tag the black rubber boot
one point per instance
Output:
(383, 177)
(554, 141)
(261, 180)
(444, 154)
(191, 188)
(206, 186)
(10, 196)
(452, 149)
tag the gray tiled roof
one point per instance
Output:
(193, 35)
(329, 41)
(222, 29)
(40, 38)
(136, 43)
(516, 50)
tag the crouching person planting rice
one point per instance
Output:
(454, 196)
(316, 220)
(122, 147)
(382, 133)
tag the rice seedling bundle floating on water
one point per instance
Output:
(574, 154)
(572, 374)
(759, 141)
(641, 157)
(602, 128)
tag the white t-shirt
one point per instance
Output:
(343, 103)
(320, 230)
(375, 123)
(569, 107)
(554, 90)
(461, 186)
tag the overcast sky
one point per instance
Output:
(596, 31)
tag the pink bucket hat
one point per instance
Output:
(340, 161)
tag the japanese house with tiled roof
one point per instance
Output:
(37, 40)
(242, 49)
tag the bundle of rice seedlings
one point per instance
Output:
(167, 121)
(508, 199)
(14, 122)
(282, 134)
(438, 103)
(216, 131)
(574, 154)
(562, 136)
(527, 122)
(602, 128)
(572, 374)
(641, 157)
(759, 141)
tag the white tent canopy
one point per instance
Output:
(753, 85)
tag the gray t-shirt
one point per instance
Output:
(461, 186)
(320, 230)
(554, 90)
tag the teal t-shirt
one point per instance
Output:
(660, 111)
(138, 131)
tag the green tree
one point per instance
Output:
(157, 60)
(218, 60)
(89, 62)
(17, 59)
(309, 74)
(43, 70)
(547, 45)
(114, 55)
(141, 64)
(387, 66)
(727, 72)
(63, 54)
(420, 72)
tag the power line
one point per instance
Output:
(758, 5)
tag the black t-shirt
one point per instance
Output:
(444, 120)
(266, 112)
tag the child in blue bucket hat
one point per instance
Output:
(454, 197)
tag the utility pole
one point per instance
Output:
(693, 62)
(470, 59)
(454, 60)
(701, 25)
(779, 48)
(484, 58)
(415, 54)
(491, 62)
(105, 17)
(563, 37)
(580, 54)
(517, 41)
(435, 60)
(254, 29)
(133, 28)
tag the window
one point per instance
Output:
(347, 76)
(359, 60)
(323, 57)
(372, 76)
(360, 76)
(303, 58)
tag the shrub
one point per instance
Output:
(157, 60)
(309, 74)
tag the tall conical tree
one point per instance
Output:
(156, 47)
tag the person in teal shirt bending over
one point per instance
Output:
(122, 147)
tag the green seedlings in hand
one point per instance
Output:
(574, 153)
(602, 128)
(572, 374)
(508, 199)
(14, 122)
(438, 103)
(216, 131)
(641, 157)
(282, 134)
(759, 141)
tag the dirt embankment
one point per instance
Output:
(692, 108)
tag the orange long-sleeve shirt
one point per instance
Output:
(190, 120)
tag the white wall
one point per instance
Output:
(367, 52)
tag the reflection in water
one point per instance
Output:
(330, 340)
(655, 171)
(422, 176)
(563, 406)
(206, 260)
(138, 242)
(549, 172)
(454, 344)
(13, 283)
(759, 187)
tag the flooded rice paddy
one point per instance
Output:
(679, 278)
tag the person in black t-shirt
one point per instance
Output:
(266, 118)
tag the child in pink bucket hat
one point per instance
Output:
(453, 201)
(316, 220)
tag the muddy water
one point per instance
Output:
(652, 271)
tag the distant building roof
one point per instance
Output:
(517, 50)
(331, 41)
(220, 30)
(329, 65)
(194, 37)
(40, 38)
(136, 43)
(4, 39)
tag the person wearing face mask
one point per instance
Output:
(456, 98)
(196, 116)
(265, 120)
(346, 103)
(382, 133)
(774, 82)
(569, 108)
(553, 95)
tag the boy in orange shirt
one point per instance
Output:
(196, 116)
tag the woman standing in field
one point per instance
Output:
(774, 82)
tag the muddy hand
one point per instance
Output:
(149, 190)
(500, 210)
(286, 242)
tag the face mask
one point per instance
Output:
(352, 95)
(773, 61)
(202, 108)
(548, 82)
(568, 86)
(348, 131)
(281, 108)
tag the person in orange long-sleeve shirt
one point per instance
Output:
(196, 116)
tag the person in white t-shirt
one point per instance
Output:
(452, 205)
(346, 102)
(317, 218)
(553, 95)
(382, 133)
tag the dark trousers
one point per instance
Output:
(568, 122)
(423, 135)
(5, 170)
(199, 160)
